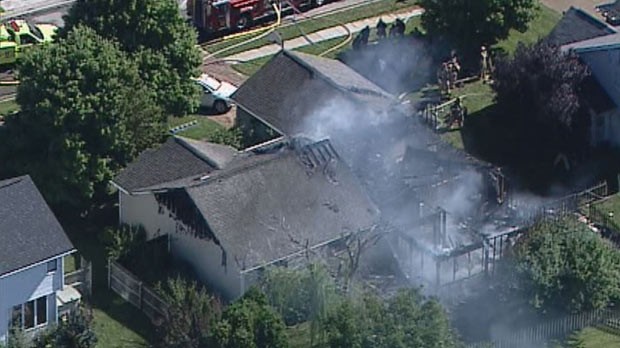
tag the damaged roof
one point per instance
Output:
(577, 25)
(264, 210)
(291, 85)
(29, 231)
(175, 160)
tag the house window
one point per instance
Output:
(30, 314)
(41, 303)
(51, 266)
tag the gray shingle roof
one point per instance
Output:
(577, 25)
(270, 209)
(611, 41)
(292, 85)
(178, 158)
(29, 231)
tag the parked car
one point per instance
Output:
(17, 36)
(613, 17)
(603, 9)
(215, 94)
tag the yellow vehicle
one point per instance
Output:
(16, 36)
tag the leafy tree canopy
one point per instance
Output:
(468, 24)
(154, 32)
(406, 320)
(250, 322)
(85, 113)
(192, 312)
(540, 84)
(565, 266)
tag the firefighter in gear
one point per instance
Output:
(455, 68)
(381, 29)
(485, 65)
(456, 115)
(361, 40)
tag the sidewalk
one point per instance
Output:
(17, 8)
(322, 35)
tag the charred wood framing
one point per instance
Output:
(182, 209)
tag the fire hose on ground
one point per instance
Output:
(343, 25)
(269, 29)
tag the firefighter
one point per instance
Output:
(485, 65)
(457, 113)
(364, 35)
(443, 79)
(381, 29)
(400, 27)
(453, 68)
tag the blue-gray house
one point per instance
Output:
(32, 247)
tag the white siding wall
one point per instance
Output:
(605, 66)
(204, 256)
(144, 210)
(27, 285)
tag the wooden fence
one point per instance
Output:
(130, 288)
(553, 329)
(82, 278)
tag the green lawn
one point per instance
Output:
(594, 338)
(479, 97)
(250, 67)
(538, 28)
(206, 129)
(116, 322)
(291, 31)
(8, 107)
(611, 207)
(69, 263)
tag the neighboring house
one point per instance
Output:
(32, 247)
(233, 216)
(577, 25)
(597, 46)
(292, 86)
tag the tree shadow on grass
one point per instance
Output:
(506, 143)
(85, 237)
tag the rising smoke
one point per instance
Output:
(399, 160)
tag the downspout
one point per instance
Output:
(242, 283)
(120, 208)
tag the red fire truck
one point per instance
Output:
(213, 16)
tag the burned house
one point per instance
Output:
(409, 173)
(230, 214)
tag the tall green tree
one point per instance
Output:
(155, 34)
(469, 24)
(250, 322)
(565, 266)
(85, 113)
(405, 320)
(192, 312)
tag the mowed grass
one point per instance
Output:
(206, 129)
(116, 322)
(594, 338)
(538, 28)
(252, 66)
(291, 31)
(611, 207)
(480, 97)
(8, 107)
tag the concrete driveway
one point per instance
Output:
(587, 5)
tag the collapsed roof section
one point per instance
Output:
(266, 204)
